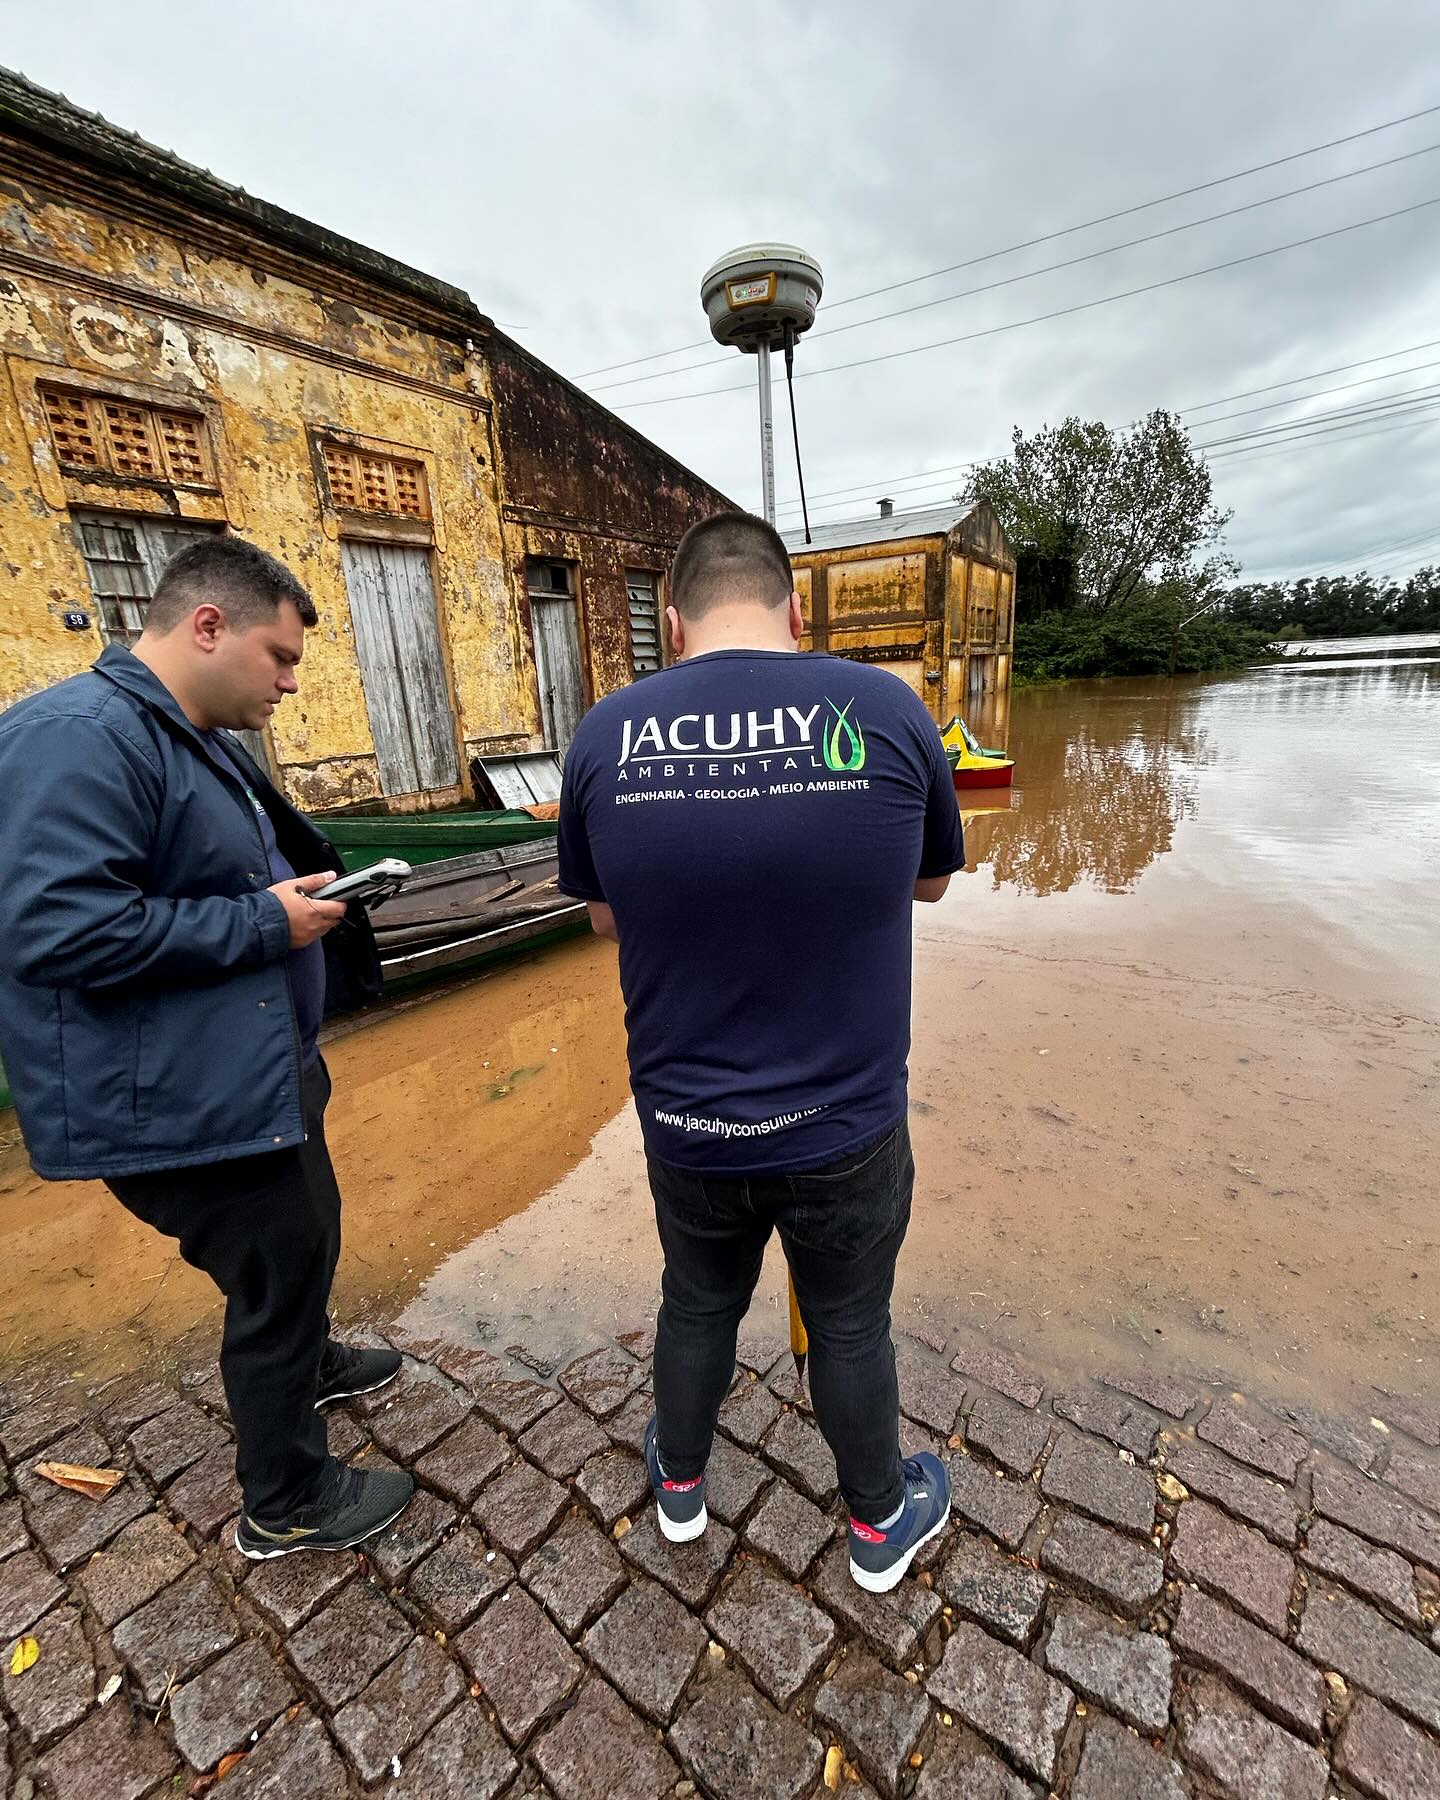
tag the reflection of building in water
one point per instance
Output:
(1103, 775)
(930, 594)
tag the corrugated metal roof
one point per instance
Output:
(923, 521)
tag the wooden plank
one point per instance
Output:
(376, 650)
(425, 696)
(557, 659)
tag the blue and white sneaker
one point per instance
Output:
(880, 1555)
(679, 1505)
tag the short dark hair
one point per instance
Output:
(729, 557)
(244, 581)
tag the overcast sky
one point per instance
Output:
(577, 166)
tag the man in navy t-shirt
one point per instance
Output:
(753, 826)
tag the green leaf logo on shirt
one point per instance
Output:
(843, 743)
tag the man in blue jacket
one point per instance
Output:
(163, 974)
(753, 827)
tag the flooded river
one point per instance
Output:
(1177, 1040)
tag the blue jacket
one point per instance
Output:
(146, 1020)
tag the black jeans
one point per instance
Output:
(266, 1230)
(841, 1227)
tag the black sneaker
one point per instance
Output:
(345, 1372)
(679, 1505)
(360, 1503)
(879, 1556)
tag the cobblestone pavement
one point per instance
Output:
(1149, 1590)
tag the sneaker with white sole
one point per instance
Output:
(679, 1505)
(346, 1371)
(355, 1505)
(880, 1554)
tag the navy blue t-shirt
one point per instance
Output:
(757, 821)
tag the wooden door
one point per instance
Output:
(557, 667)
(397, 641)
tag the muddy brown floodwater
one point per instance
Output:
(1177, 1040)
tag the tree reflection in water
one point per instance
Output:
(1104, 771)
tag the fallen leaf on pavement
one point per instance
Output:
(834, 1757)
(25, 1655)
(80, 1478)
(228, 1764)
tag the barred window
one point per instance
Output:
(97, 433)
(368, 481)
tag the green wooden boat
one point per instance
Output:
(430, 837)
(4, 1089)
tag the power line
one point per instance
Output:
(1293, 444)
(1071, 262)
(1314, 375)
(1318, 394)
(1049, 237)
(1373, 409)
(1062, 312)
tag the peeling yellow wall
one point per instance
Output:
(272, 360)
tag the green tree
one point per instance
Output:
(1124, 510)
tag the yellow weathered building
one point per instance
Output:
(485, 545)
(930, 594)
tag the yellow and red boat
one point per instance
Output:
(971, 765)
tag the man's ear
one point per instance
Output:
(207, 626)
(677, 631)
(797, 618)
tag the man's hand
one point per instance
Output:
(309, 919)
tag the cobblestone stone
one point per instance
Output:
(733, 1477)
(167, 1444)
(1342, 1633)
(740, 1747)
(748, 1413)
(137, 1402)
(13, 1535)
(409, 1422)
(1128, 1671)
(510, 1405)
(601, 1748)
(174, 1637)
(960, 1767)
(460, 1464)
(1378, 1513)
(1247, 1756)
(464, 1758)
(207, 1494)
(879, 1717)
(1234, 1562)
(1379, 1576)
(690, 1571)
(780, 1637)
(31, 1429)
(27, 1591)
(575, 1574)
(1416, 1475)
(999, 1370)
(1272, 1675)
(1385, 1756)
(894, 1625)
(1124, 1575)
(640, 1342)
(114, 1755)
(797, 1450)
(147, 1556)
(1003, 1697)
(563, 1440)
(1418, 1419)
(649, 1646)
(789, 1530)
(294, 1760)
(397, 1549)
(1005, 1596)
(1252, 1437)
(1007, 1433)
(459, 1579)
(59, 1690)
(352, 1638)
(520, 1508)
(398, 1707)
(287, 1589)
(929, 1393)
(1113, 1416)
(1115, 1765)
(602, 1380)
(615, 1484)
(627, 1427)
(1344, 1438)
(71, 1527)
(1161, 1392)
(1092, 1478)
(760, 1350)
(1245, 1496)
(521, 1661)
(215, 1713)
(1006, 1509)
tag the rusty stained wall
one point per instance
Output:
(270, 358)
(583, 487)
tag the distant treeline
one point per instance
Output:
(1338, 606)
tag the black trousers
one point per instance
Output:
(266, 1230)
(841, 1227)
